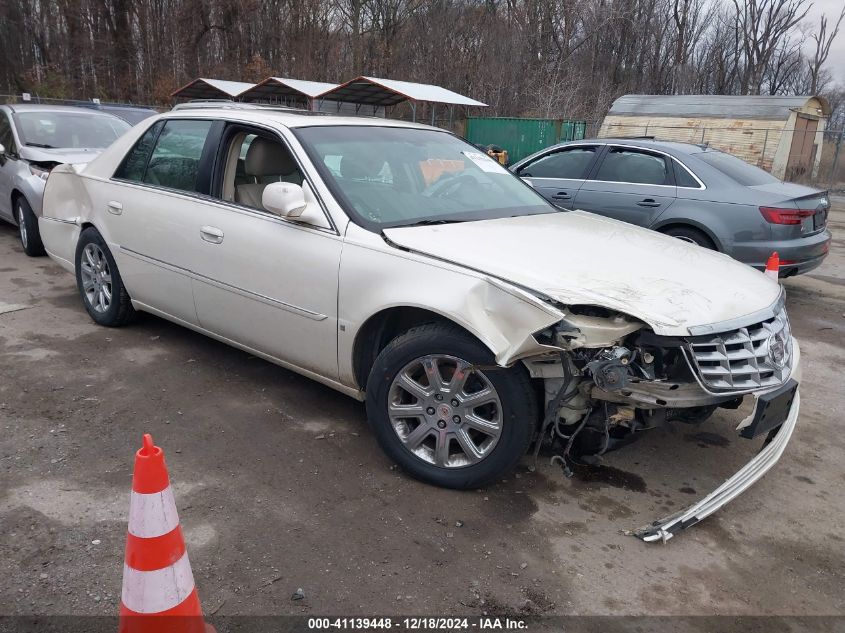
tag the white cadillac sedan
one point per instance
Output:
(397, 264)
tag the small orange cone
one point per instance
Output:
(773, 266)
(157, 578)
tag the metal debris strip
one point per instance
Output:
(665, 528)
(5, 308)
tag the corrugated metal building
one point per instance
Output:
(205, 88)
(781, 134)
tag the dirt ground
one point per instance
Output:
(280, 485)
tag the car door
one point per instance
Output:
(630, 184)
(558, 174)
(263, 281)
(9, 164)
(151, 209)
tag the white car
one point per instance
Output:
(397, 264)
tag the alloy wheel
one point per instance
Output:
(445, 411)
(96, 278)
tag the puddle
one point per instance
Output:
(705, 439)
(610, 476)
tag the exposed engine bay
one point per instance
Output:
(613, 378)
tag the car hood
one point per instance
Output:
(580, 258)
(70, 155)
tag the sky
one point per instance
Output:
(836, 60)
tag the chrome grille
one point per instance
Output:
(745, 359)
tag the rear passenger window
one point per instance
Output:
(629, 165)
(683, 178)
(135, 163)
(175, 160)
(569, 163)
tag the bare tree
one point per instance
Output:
(763, 24)
(549, 58)
(823, 41)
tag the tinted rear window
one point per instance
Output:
(736, 168)
(568, 163)
(622, 164)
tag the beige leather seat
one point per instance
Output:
(265, 162)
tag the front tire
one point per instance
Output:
(28, 228)
(99, 282)
(441, 419)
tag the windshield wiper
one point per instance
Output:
(41, 145)
(430, 222)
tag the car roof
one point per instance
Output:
(645, 143)
(288, 117)
(40, 107)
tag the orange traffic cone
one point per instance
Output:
(773, 266)
(157, 578)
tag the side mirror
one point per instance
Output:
(286, 199)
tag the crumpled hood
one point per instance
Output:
(580, 258)
(60, 154)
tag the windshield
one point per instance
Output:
(68, 129)
(387, 176)
(736, 168)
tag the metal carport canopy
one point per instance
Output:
(204, 88)
(282, 87)
(389, 92)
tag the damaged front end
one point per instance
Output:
(612, 377)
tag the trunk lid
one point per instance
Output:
(789, 195)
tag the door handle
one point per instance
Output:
(211, 234)
(648, 202)
(562, 195)
(114, 207)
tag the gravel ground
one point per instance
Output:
(281, 486)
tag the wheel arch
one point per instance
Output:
(689, 224)
(385, 325)
(13, 198)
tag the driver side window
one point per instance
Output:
(7, 139)
(253, 161)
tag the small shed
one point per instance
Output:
(204, 88)
(290, 92)
(781, 134)
(378, 93)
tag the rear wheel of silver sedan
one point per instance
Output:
(443, 410)
(692, 235)
(99, 282)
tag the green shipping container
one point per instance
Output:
(522, 137)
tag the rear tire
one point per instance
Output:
(470, 426)
(690, 234)
(98, 280)
(30, 236)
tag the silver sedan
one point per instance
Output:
(692, 192)
(35, 138)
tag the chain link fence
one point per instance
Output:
(800, 155)
(34, 98)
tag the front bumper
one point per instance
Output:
(665, 528)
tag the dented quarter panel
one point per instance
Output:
(67, 205)
(375, 276)
(577, 257)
